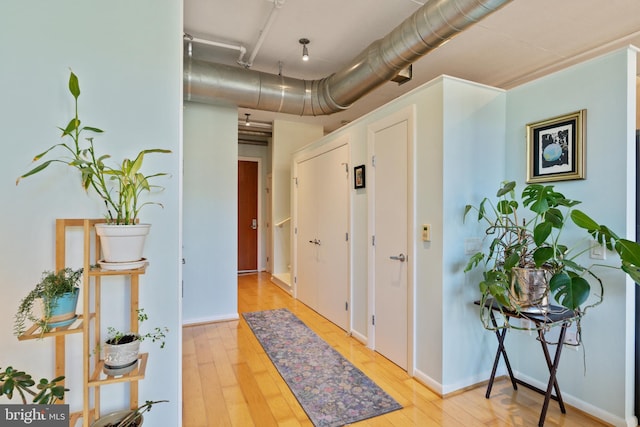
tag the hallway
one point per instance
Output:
(229, 380)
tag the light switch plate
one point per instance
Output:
(426, 232)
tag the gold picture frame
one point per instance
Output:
(556, 148)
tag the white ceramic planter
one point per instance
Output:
(120, 359)
(122, 243)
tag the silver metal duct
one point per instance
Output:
(429, 27)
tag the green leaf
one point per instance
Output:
(572, 293)
(92, 129)
(628, 251)
(505, 207)
(541, 232)
(74, 85)
(555, 217)
(542, 255)
(466, 211)
(506, 188)
(511, 261)
(559, 281)
(73, 125)
(632, 270)
(35, 170)
(583, 220)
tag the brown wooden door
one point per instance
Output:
(247, 215)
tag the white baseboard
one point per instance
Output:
(359, 337)
(282, 282)
(582, 405)
(429, 382)
(212, 319)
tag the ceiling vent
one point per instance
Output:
(433, 24)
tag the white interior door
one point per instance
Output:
(333, 224)
(390, 249)
(306, 237)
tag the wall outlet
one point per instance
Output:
(598, 250)
(571, 339)
(472, 245)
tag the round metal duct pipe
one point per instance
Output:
(426, 29)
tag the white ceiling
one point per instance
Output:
(524, 40)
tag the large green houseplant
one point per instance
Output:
(58, 292)
(527, 232)
(121, 187)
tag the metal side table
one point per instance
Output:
(556, 316)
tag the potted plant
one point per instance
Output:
(120, 187)
(526, 235)
(58, 292)
(121, 349)
(127, 417)
(48, 392)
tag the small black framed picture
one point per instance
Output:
(359, 177)
(556, 147)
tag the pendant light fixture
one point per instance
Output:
(305, 52)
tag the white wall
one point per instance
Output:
(605, 87)
(210, 213)
(459, 136)
(128, 57)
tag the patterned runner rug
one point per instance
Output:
(329, 388)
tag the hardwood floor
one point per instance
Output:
(229, 380)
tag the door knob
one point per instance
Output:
(400, 258)
(254, 224)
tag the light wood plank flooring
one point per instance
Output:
(230, 381)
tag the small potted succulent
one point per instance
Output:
(58, 292)
(526, 239)
(121, 187)
(46, 392)
(121, 349)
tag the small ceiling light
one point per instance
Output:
(305, 52)
(246, 121)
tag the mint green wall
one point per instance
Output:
(472, 157)
(128, 56)
(210, 213)
(605, 87)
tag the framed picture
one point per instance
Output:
(358, 177)
(555, 148)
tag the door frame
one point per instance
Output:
(261, 221)
(406, 114)
(299, 157)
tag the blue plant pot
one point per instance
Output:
(63, 309)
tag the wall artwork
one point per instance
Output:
(555, 148)
(358, 177)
